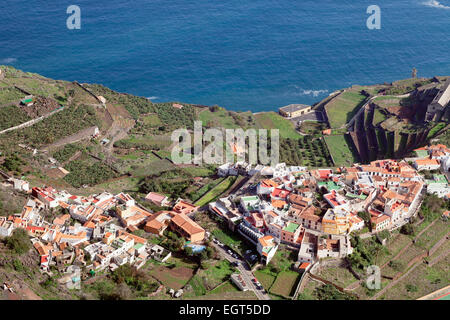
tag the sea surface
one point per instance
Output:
(253, 55)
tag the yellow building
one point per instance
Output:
(335, 222)
(295, 110)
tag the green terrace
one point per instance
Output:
(291, 227)
(422, 153)
(356, 196)
(329, 185)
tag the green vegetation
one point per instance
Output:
(216, 191)
(172, 183)
(378, 116)
(139, 282)
(147, 142)
(266, 278)
(338, 275)
(344, 106)
(340, 150)
(59, 125)
(194, 196)
(170, 117)
(305, 151)
(216, 117)
(404, 86)
(277, 277)
(19, 241)
(10, 95)
(438, 127)
(364, 253)
(66, 152)
(13, 162)
(11, 116)
(329, 292)
(312, 128)
(432, 208)
(82, 173)
(285, 284)
(272, 120)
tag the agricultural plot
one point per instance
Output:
(312, 127)
(394, 245)
(228, 296)
(151, 120)
(266, 278)
(421, 281)
(216, 191)
(343, 107)
(285, 283)
(225, 287)
(410, 253)
(11, 116)
(84, 173)
(433, 234)
(338, 275)
(340, 151)
(220, 118)
(272, 120)
(38, 87)
(174, 278)
(145, 142)
(217, 273)
(152, 168)
(305, 151)
(308, 290)
(10, 95)
(199, 171)
(203, 190)
(378, 117)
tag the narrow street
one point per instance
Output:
(245, 271)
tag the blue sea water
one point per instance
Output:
(244, 55)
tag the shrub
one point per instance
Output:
(19, 241)
(407, 229)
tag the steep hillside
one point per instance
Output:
(384, 121)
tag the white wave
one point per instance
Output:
(8, 60)
(314, 93)
(152, 98)
(435, 4)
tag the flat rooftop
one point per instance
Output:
(291, 227)
(294, 107)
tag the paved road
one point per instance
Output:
(246, 272)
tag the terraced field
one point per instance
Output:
(343, 107)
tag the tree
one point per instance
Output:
(396, 265)
(411, 288)
(189, 251)
(364, 215)
(407, 229)
(19, 241)
(329, 292)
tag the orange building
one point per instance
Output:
(187, 228)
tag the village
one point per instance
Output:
(311, 212)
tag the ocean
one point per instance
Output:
(253, 55)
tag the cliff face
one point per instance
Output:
(392, 126)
